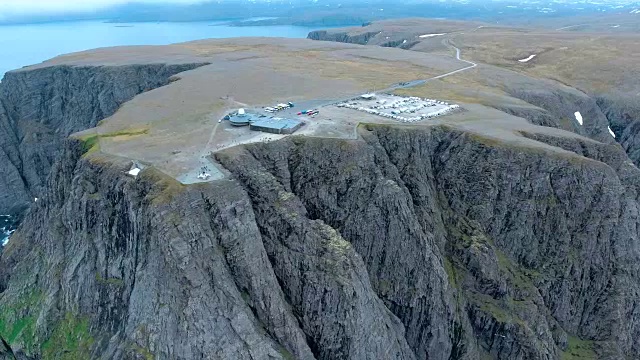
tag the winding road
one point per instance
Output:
(471, 65)
(413, 83)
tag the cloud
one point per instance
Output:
(15, 7)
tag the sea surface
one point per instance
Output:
(22, 45)
(7, 227)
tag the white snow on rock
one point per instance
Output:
(611, 132)
(578, 117)
(429, 35)
(527, 59)
(404, 41)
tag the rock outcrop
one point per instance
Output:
(360, 39)
(5, 351)
(623, 114)
(40, 108)
(412, 243)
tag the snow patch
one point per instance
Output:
(578, 117)
(429, 35)
(404, 41)
(527, 59)
(611, 132)
(615, 26)
(636, 11)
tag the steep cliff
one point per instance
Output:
(39, 108)
(362, 38)
(623, 113)
(324, 35)
(412, 243)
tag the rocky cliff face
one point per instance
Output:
(40, 108)
(623, 113)
(323, 35)
(412, 243)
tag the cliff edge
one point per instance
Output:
(40, 108)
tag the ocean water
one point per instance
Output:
(7, 227)
(22, 45)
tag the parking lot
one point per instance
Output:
(402, 109)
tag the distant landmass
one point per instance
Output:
(337, 12)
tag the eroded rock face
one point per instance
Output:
(40, 108)
(323, 35)
(623, 114)
(409, 244)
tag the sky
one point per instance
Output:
(29, 7)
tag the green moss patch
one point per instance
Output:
(70, 340)
(286, 355)
(18, 320)
(91, 142)
(109, 281)
(579, 349)
(165, 188)
(500, 311)
(127, 132)
(452, 274)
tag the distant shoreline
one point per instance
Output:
(43, 41)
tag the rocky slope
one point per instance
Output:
(40, 108)
(623, 113)
(412, 243)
